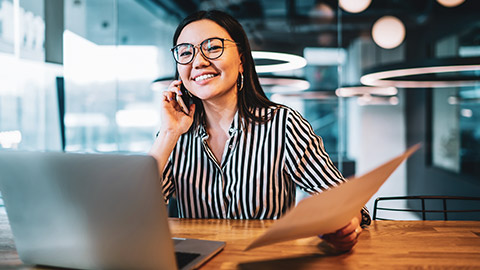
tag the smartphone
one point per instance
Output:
(184, 100)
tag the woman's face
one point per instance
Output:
(210, 79)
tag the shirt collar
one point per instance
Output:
(235, 127)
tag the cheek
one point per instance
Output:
(183, 72)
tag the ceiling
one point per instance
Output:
(291, 25)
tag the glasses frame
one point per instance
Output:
(200, 46)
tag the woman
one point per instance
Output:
(232, 153)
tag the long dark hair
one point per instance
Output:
(251, 96)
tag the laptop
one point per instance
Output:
(93, 211)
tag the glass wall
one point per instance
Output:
(28, 86)
(455, 111)
(113, 51)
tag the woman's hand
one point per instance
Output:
(174, 123)
(174, 119)
(345, 238)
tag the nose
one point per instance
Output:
(199, 59)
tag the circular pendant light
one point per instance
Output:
(354, 6)
(444, 72)
(388, 32)
(288, 61)
(450, 3)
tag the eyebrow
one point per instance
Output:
(202, 40)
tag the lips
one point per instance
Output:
(204, 77)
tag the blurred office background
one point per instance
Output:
(78, 76)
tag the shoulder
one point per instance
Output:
(292, 115)
(277, 111)
(280, 113)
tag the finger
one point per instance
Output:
(182, 105)
(345, 239)
(175, 83)
(349, 228)
(345, 247)
(169, 95)
(358, 231)
(175, 87)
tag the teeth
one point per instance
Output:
(204, 77)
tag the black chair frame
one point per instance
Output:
(444, 200)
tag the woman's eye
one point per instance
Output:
(187, 53)
(214, 48)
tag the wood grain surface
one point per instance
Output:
(384, 245)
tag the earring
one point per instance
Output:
(240, 85)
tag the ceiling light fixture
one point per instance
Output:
(292, 61)
(327, 96)
(456, 100)
(283, 84)
(388, 32)
(354, 6)
(367, 100)
(354, 91)
(450, 3)
(397, 75)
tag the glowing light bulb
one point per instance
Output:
(450, 3)
(354, 6)
(388, 32)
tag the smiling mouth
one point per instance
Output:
(204, 77)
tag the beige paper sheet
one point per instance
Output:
(330, 210)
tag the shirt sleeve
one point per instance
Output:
(306, 160)
(366, 219)
(168, 188)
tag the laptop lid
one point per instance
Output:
(88, 211)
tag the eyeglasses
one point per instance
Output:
(211, 48)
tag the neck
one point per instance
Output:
(219, 114)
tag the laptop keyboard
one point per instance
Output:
(184, 258)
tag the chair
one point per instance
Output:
(436, 206)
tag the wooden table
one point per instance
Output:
(384, 245)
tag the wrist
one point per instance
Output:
(164, 143)
(167, 134)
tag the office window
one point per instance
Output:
(28, 98)
(113, 50)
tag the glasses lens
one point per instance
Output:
(183, 53)
(212, 48)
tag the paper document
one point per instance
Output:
(330, 210)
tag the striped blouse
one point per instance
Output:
(260, 169)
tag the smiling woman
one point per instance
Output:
(235, 154)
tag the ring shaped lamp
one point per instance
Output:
(292, 61)
(403, 76)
